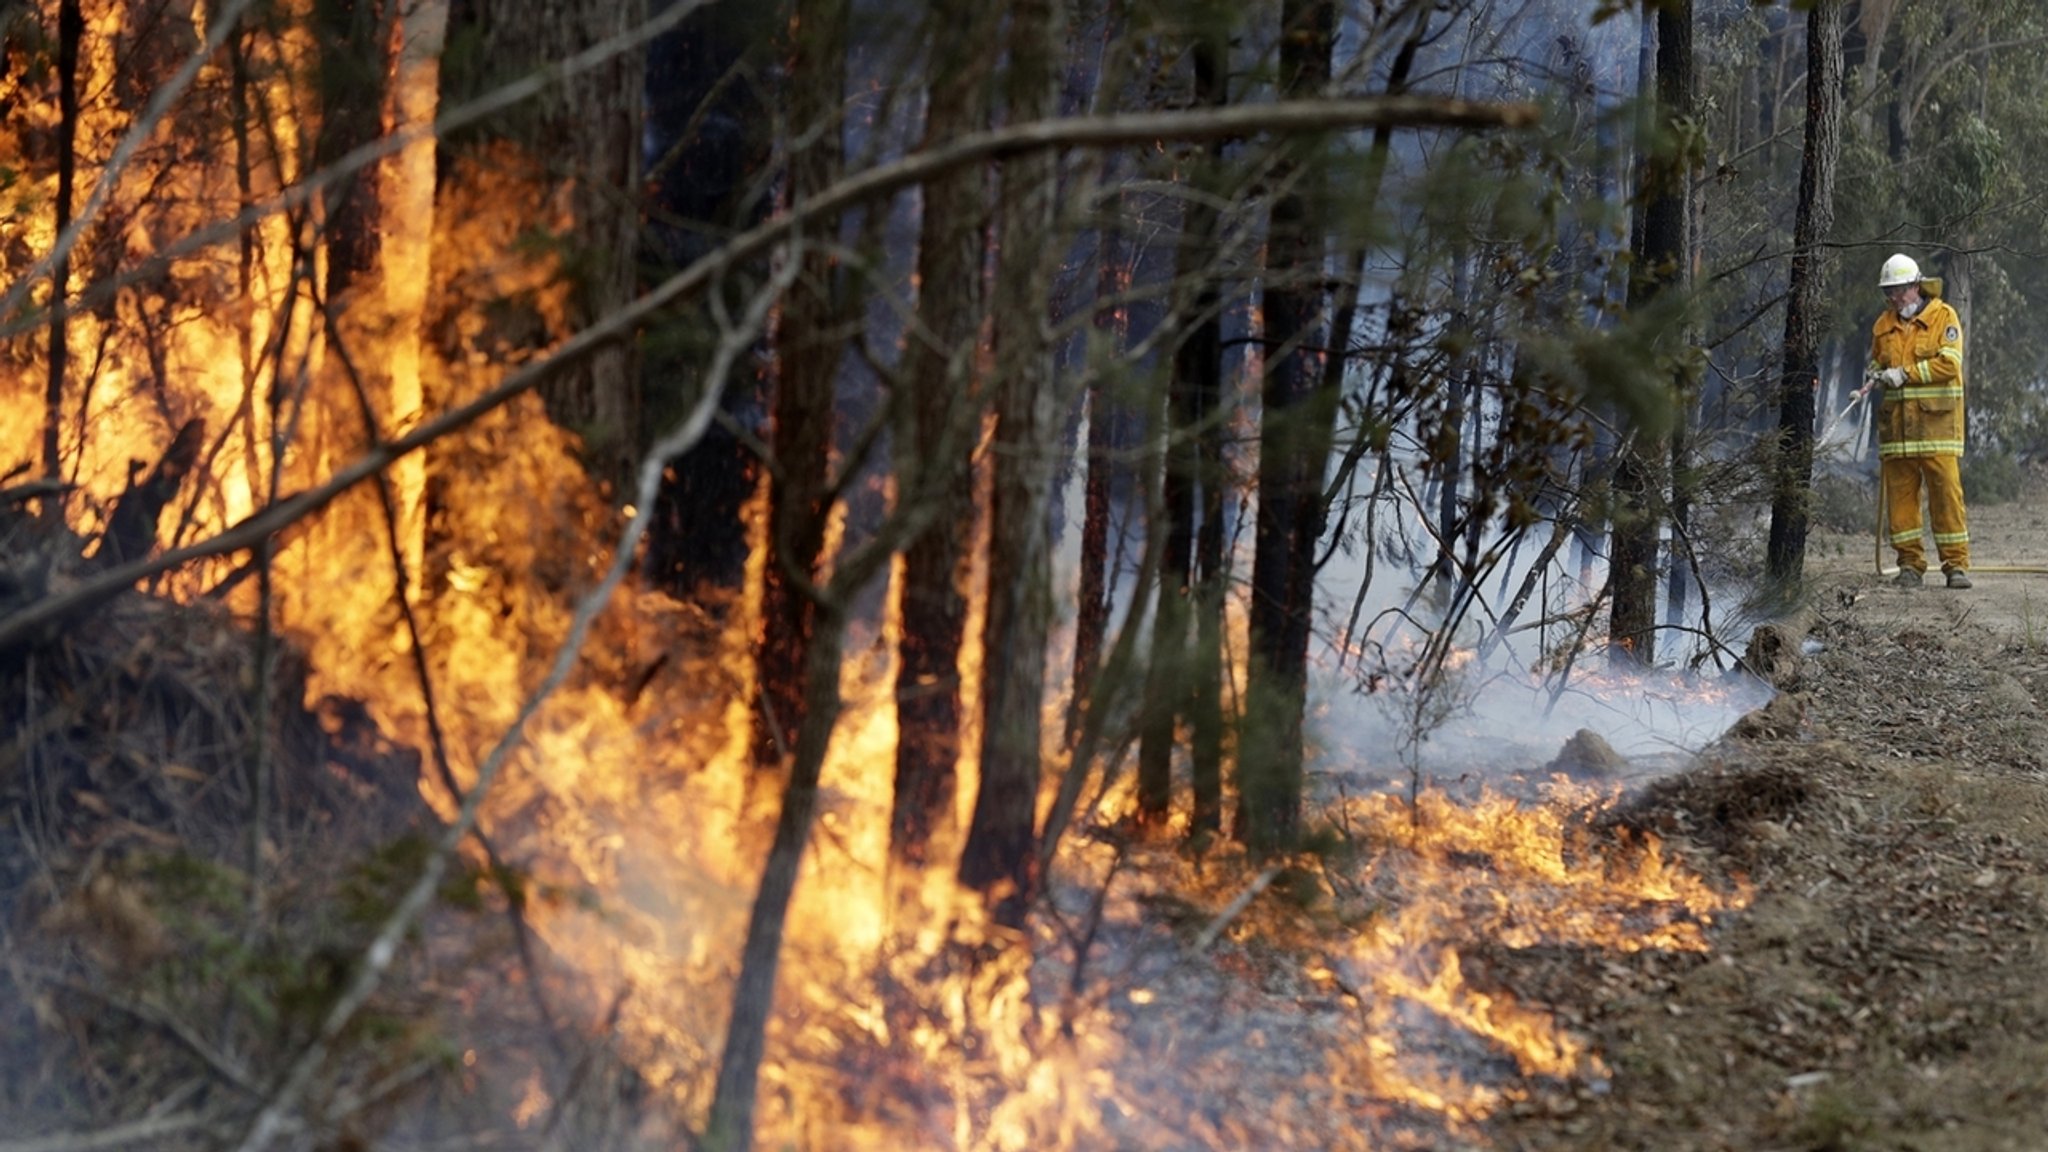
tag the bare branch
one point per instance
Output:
(383, 949)
(299, 195)
(149, 1013)
(1295, 116)
(118, 1136)
(159, 107)
(1231, 910)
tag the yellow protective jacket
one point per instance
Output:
(1924, 418)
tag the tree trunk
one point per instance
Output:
(1660, 266)
(588, 128)
(1171, 424)
(1198, 368)
(999, 858)
(730, 1127)
(352, 41)
(807, 361)
(404, 224)
(1183, 680)
(70, 29)
(707, 131)
(1290, 468)
(1805, 308)
(1091, 613)
(1174, 680)
(939, 370)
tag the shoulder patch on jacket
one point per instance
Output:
(1951, 334)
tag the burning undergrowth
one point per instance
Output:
(1325, 1001)
(1167, 997)
(163, 963)
(573, 986)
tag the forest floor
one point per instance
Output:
(1887, 986)
(1883, 987)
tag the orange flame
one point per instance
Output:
(641, 815)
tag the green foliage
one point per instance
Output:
(1965, 169)
(1992, 477)
(195, 886)
(1628, 366)
(273, 980)
(1829, 1122)
(371, 889)
(1302, 887)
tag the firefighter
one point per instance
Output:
(1916, 363)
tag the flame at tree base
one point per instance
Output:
(1335, 1012)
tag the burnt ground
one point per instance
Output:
(1887, 988)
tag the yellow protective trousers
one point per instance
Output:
(1942, 477)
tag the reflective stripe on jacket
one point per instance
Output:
(1924, 418)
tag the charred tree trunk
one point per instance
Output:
(807, 361)
(1180, 678)
(939, 369)
(1167, 689)
(1296, 436)
(999, 858)
(351, 41)
(1290, 468)
(1091, 614)
(132, 526)
(70, 30)
(1805, 311)
(1660, 266)
(1198, 391)
(588, 127)
(705, 123)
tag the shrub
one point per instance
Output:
(1846, 504)
(1992, 478)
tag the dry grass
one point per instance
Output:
(152, 990)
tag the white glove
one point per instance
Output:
(1892, 377)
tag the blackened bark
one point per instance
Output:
(70, 29)
(1660, 266)
(588, 129)
(1206, 725)
(999, 858)
(1091, 614)
(706, 124)
(1204, 369)
(1805, 312)
(807, 361)
(1185, 679)
(1290, 469)
(1166, 685)
(939, 369)
(352, 45)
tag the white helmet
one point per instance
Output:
(1898, 270)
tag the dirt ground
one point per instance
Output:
(1888, 986)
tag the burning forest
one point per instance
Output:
(843, 574)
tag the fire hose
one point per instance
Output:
(1883, 537)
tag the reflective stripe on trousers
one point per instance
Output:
(1942, 477)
